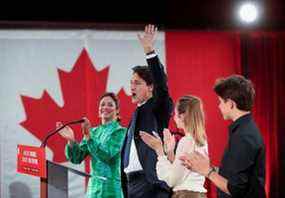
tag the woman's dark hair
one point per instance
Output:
(237, 88)
(115, 99)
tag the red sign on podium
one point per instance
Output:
(31, 160)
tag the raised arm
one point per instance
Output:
(147, 40)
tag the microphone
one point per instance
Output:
(44, 142)
(75, 122)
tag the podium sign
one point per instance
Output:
(31, 160)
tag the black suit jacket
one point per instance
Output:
(154, 115)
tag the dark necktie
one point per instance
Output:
(128, 142)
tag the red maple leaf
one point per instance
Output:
(81, 90)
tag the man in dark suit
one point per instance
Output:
(154, 107)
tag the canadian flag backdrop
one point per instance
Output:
(48, 76)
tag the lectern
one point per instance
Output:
(53, 176)
(56, 182)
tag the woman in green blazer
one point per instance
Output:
(103, 143)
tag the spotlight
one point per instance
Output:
(248, 12)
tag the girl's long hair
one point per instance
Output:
(194, 119)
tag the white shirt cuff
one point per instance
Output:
(151, 55)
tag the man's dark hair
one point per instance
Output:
(238, 89)
(144, 73)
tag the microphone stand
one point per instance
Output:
(53, 132)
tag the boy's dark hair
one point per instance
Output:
(237, 88)
(144, 73)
